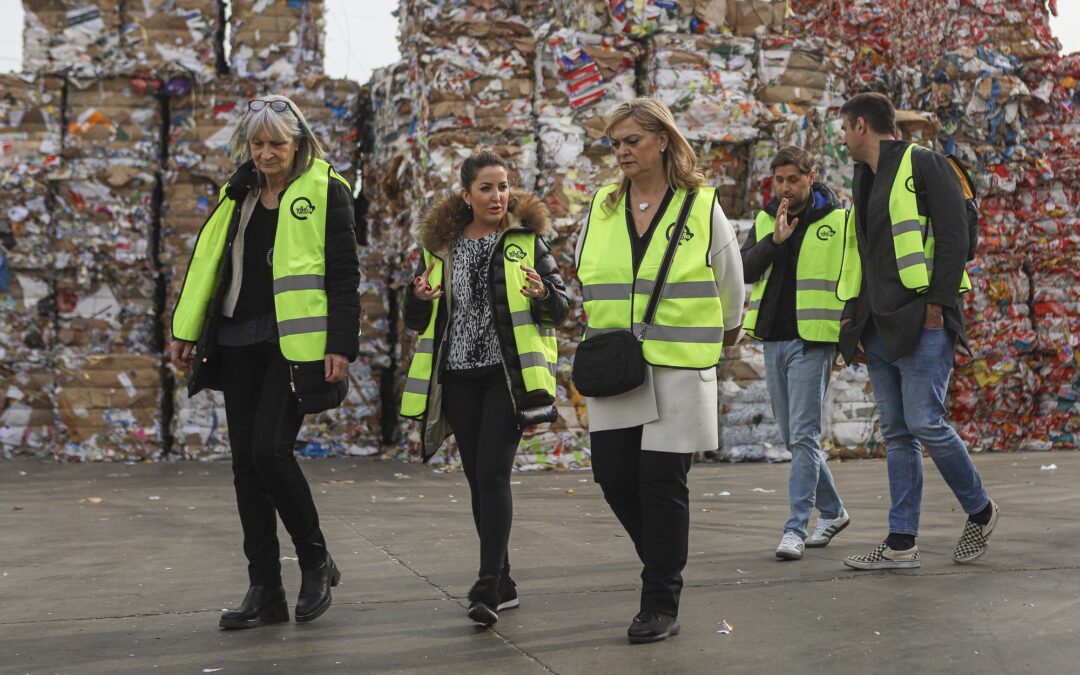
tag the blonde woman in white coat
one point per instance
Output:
(643, 440)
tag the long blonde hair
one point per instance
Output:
(680, 162)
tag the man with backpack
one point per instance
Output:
(906, 243)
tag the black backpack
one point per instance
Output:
(971, 201)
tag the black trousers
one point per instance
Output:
(263, 424)
(478, 406)
(647, 492)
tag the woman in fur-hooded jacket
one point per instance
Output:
(485, 301)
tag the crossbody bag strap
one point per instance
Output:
(665, 266)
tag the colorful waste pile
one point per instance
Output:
(99, 211)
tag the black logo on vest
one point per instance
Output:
(301, 208)
(687, 235)
(910, 184)
(514, 253)
(825, 232)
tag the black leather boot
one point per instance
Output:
(315, 590)
(262, 604)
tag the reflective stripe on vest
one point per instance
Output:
(817, 309)
(299, 267)
(912, 235)
(688, 330)
(537, 348)
(418, 382)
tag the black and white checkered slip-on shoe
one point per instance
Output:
(884, 558)
(976, 538)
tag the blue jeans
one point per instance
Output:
(910, 396)
(797, 381)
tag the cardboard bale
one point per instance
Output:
(590, 16)
(27, 381)
(747, 428)
(162, 37)
(31, 125)
(100, 224)
(80, 38)
(806, 72)
(108, 407)
(200, 430)
(726, 167)
(756, 17)
(114, 121)
(111, 311)
(708, 83)
(278, 39)
(416, 14)
(26, 310)
(25, 222)
(202, 119)
(580, 78)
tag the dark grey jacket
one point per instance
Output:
(898, 312)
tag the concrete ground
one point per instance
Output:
(113, 568)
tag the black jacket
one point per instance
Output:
(898, 312)
(776, 316)
(438, 228)
(342, 281)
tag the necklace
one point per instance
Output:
(642, 206)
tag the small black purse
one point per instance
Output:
(613, 363)
(313, 393)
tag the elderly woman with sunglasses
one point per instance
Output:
(269, 314)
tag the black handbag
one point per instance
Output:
(313, 393)
(613, 363)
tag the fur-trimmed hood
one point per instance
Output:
(445, 220)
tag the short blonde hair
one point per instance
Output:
(680, 161)
(289, 124)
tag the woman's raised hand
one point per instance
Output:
(422, 290)
(534, 287)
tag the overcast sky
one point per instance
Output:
(362, 35)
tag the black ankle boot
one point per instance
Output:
(315, 590)
(651, 626)
(262, 604)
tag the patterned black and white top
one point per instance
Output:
(473, 343)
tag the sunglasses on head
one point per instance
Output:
(255, 105)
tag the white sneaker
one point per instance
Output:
(791, 547)
(826, 529)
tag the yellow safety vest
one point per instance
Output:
(912, 235)
(537, 348)
(817, 309)
(299, 267)
(688, 330)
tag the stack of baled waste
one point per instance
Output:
(277, 40)
(109, 387)
(30, 138)
(79, 38)
(172, 37)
